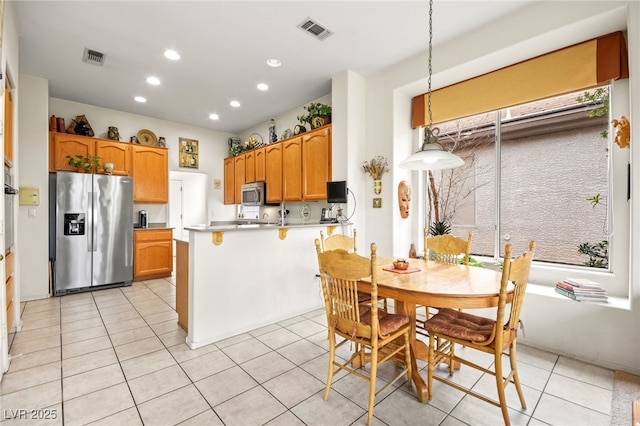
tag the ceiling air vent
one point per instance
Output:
(93, 57)
(315, 29)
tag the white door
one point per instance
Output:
(175, 209)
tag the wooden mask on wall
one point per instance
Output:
(404, 198)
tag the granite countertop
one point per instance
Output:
(136, 226)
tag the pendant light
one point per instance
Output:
(432, 155)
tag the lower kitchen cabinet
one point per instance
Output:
(9, 289)
(182, 283)
(152, 253)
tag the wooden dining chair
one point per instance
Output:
(443, 248)
(378, 335)
(344, 242)
(495, 336)
(338, 241)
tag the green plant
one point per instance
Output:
(598, 253)
(472, 262)
(314, 109)
(439, 228)
(90, 164)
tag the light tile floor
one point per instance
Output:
(118, 357)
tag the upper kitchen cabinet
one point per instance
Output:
(63, 144)
(150, 171)
(316, 164)
(273, 172)
(229, 181)
(260, 164)
(250, 167)
(292, 169)
(239, 175)
(117, 153)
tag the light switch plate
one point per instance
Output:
(29, 196)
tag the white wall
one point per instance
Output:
(32, 243)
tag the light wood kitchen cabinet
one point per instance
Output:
(260, 164)
(9, 288)
(239, 175)
(229, 181)
(273, 172)
(316, 164)
(117, 153)
(63, 144)
(182, 284)
(150, 171)
(292, 169)
(250, 167)
(152, 253)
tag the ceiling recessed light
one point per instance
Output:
(234, 104)
(171, 54)
(214, 116)
(140, 99)
(275, 63)
(263, 86)
(153, 80)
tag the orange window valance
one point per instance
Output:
(573, 68)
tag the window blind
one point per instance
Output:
(566, 70)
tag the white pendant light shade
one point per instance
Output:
(432, 157)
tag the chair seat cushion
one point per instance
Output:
(388, 323)
(460, 325)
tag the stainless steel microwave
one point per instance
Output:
(253, 194)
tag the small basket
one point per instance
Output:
(255, 141)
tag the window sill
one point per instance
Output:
(548, 291)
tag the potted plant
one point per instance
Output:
(90, 164)
(317, 115)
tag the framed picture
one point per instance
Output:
(188, 153)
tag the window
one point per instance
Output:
(553, 184)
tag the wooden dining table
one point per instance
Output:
(438, 285)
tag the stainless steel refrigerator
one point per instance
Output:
(91, 231)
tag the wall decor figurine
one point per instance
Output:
(623, 134)
(113, 133)
(404, 198)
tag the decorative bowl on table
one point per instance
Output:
(400, 264)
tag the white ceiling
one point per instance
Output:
(224, 46)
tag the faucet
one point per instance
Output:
(267, 215)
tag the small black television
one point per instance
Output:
(337, 191)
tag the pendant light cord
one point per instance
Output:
(430, 69)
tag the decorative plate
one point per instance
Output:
(286, 134)
(147, 137)
(299, 129)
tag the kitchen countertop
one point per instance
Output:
(246, 226)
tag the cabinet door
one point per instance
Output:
(292, 169)
(229, 179)
(250, 167)
(150, 171)
(117, 153)
(239, 174)
(152, 254)
(316, 164)
(64, 144)
(273, 172)
(260, 164)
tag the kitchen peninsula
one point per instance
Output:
(242, 277)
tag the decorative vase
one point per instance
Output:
(412, 252)
(377, 186)
(108, 168)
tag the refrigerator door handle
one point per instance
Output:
(94, 219)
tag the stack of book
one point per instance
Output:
(582, 289)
